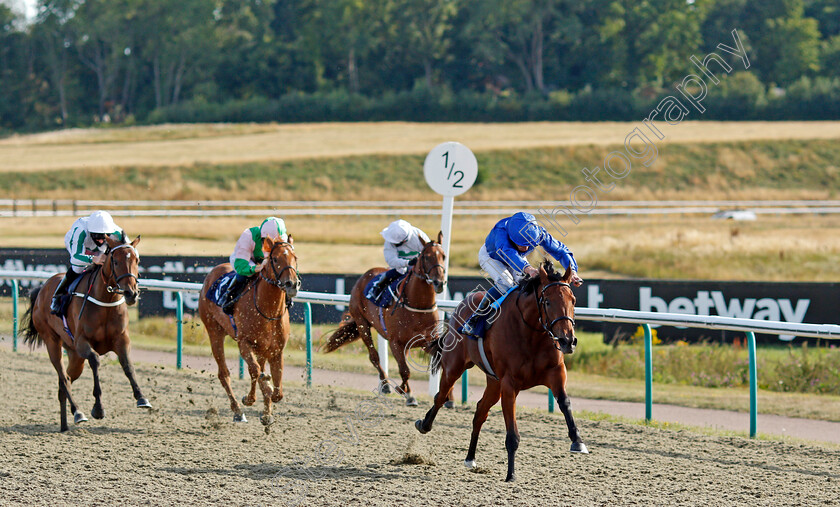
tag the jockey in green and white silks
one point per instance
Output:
(402, 246)
(86, 243)
(248, 254)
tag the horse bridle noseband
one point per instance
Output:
(541, 303)
(115, 289)
(277, 274)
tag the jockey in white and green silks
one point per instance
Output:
(248, 254)
(86, 243)
(402, 246)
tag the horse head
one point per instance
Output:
(556, 305)
(430, 264)
(283, 262)
(121, 268)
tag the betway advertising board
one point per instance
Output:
(815, 302)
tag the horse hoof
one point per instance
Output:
(79, 418)
(411, 401)
(511, 478)
(143, 403)
(419, 425)
(470, 463)
(579, 447)
(384, 388)
(449, 404)
(267, 420)
(247, 402)
(239, 418)
(97, 412)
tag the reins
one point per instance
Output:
(541, 300)
(428, 279)
(276, 282)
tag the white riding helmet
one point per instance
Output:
(397, 231)
(274, 228)
(101, 222)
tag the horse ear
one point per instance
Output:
(543, 273)
(267, 243)
(568, 275)
(136, 240)
(440, 237)
(422, 241)
(291, 240)
(111, 242)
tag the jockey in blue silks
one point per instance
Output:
(503, 257)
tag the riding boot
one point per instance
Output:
(61, 290)
(377, 288)
(236, 285)
(469, 326)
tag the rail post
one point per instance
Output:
(753, 383)
(307, 318)
(648, 373)
(14, 315)
(179, 317)
(550, 401)
(241, 367)
(465, 385)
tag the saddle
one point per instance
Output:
(67, 298)
(216, 292)
(483, 322)
(387, 295)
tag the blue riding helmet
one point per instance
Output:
(523, 230)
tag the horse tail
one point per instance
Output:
(31, 336)
(346, 333)
(435, 351)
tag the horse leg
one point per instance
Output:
(490, 397)
(448, 378)
(277, 377)
(268, 393)
(84, 350)
(75, 366)
(512, 438)
(54, 350)
(558, 387)
(217, 345)
(122, 347)
(253, 372)
(373, 354)
(405, 372)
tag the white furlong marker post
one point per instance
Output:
(450, 169)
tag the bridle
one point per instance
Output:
(428, 272)
(115, 289)
(542, 301)
(277, 274)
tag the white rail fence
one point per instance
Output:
(750, 326)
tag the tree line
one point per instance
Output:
(80, 62)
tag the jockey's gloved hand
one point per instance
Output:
(412, 261)
(576, 280)
(531, 271)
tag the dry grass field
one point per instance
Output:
(780, 248)
(173, 145)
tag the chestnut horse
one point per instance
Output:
(97, 317)
(260, 325)
(409, 322)
(522, 351)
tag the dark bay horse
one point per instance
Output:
(524, 348)
(409, 322)
(261, 319)
(98, 320)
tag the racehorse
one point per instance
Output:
(407, 323)
(524, 348)
(96, 323)
(260, 325)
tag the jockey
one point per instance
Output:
(86, 243)
(248, 255)
(503, 257)
(402, 246)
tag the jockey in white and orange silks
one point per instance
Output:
(248, 255)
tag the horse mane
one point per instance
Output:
(529, 285)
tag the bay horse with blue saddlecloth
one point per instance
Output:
(259, 324)
(409, 321)
(95, 322)
(524, 347)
